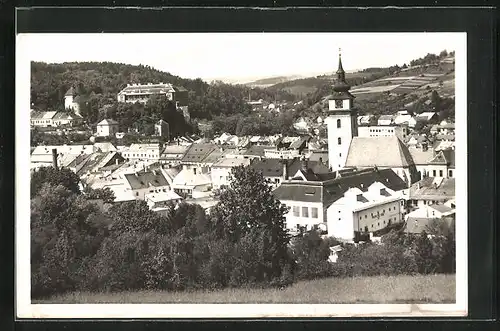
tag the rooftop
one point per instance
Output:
(378, 151)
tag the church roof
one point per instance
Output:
(378, 151)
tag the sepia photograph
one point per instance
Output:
(278, 174)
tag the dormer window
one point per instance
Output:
(338, 104)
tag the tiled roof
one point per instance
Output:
(198, 152)
(230, 162)
(378, 151)
(449, 154)
(420, 156)
(431, 188)
(386, 118)
(106, 147)
(274, 167)
(439, 158)
(42, 115)
(162, 196)
(256, 151)
(146, 179)
(300, 142)
(330, 191)
(148, 89)
(187, 178)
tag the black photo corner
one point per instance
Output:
(480, 24)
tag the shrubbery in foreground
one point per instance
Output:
(75, 245)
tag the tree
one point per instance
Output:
(436, 101)
(249, 217)
(66, 232)
(52, 176)
(311, 254)
(104, 194)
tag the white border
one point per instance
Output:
(24, 308)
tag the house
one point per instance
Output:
(42, 155)
(142, 92)
(222, 138)
(383, 131)
(143, 152)
(427, 117)
(384, 153)
(421, 157)
(144, 182)
(418, 220)
(309, 196)
(84, 165)
(278, 170)
(107, 128)
(446, 128)
(162, 129)
(157, 201)
(432, 190)
(441, 165)
(71, 100)
(47, 119)
(221, 170)
(405, 119)
(385, 120)
(173, 154)
(365, 119)
(417, 141)
(364, 211)
(191, 183)
(302, 125)
(196, 159)
(106, 147)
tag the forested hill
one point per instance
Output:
(98, 83)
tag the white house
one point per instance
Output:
(385, 120)
(162, 199)
(107, 128)
(142, 152)
(70, 100)
(383, 131)
(189, 182)
(364, 211)
(142, 183)
(310, 197)
(221, 170)
(430, 190)
(405, 119)
(418, 220)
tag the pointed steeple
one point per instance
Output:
(340, 70)
(340, 84)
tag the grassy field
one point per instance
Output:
(397, 289)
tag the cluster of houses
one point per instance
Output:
(360, 181)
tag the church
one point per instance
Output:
(347, 150)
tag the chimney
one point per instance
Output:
(285, 169)
(54, 158)
(116, 161)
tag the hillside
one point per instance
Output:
(409, 88)
(270, 81)
(97, 84)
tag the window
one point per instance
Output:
(340, 154)
(305, 212)
(339, 141)
(366, 216)
(440, 173)
(296, 211)
(360, 218)
(433, 173)
(314, 212)
(338, 104)
(450, 173)
(338, 123)
(136, 194)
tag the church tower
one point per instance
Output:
(341, 121)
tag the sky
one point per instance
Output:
(240, 57)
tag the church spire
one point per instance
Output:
(341, 85)
(340, 70)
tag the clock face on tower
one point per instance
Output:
(338, 104)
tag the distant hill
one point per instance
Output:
(97, 84)
(269, 81)
(386, 90)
